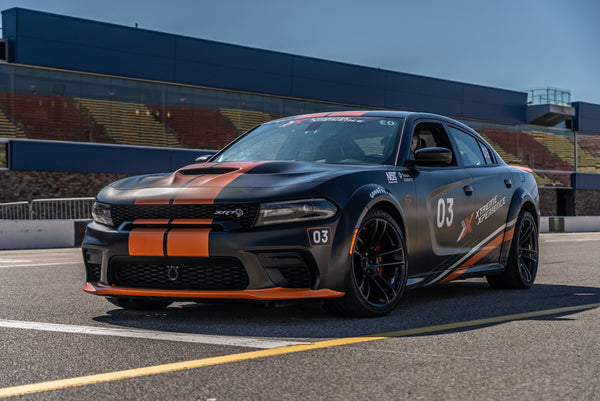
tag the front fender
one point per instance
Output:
(359, 204)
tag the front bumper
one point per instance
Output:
(274, 263)
(267, 294)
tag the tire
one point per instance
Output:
(140, 304)
(522, 264)
(378, 269)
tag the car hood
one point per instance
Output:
(229, 182)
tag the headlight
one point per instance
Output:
(295, 211)
(101, 213)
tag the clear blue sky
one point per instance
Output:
(512, 44)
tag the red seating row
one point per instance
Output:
(197, 128)
(50, 117)
(531, 152)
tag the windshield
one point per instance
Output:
(347, 140)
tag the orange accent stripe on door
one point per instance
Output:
(146, 242)
(475, 258)
(188, 242)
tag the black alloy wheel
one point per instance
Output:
(523, 258)
(378, 268)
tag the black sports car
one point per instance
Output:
(352, 207)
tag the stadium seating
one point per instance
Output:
(563, 146)
(129, 123)
(49, 117)
(197, 127)
(532, 153)
(8, 129)
(243, 120)
(541, 179)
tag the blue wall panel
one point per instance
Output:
(76, 44)
(338, 82)
(85, 157)
(587, 117)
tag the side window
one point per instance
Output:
(486, 154)
(429, 135)
(469, 148)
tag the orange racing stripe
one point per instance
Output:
(486, 250)
(347, 114)
(188, 242)
(146, 242)
(202, 189)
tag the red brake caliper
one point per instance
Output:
(379, 259)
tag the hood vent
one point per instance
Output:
(207, 171)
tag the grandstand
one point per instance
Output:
(243, 120)
(511, 159)
(8, 129)
(177, 93)
(563, 147)
(129, 123)
(197, 127)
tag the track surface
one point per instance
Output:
(440, 344)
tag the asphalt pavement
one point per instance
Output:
(455, 341)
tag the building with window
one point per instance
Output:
(102, 101)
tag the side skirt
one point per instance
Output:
(471, 272)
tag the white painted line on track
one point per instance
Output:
(248, 342)
(40, 264)
(571, 240)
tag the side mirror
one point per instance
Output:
(433, 157)
(204, 158)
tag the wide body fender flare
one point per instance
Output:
(362, 200)
(520, 199)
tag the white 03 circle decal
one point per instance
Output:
(445, 212)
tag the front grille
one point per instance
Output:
(221, 273)
(229, 212)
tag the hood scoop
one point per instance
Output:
(208, 171)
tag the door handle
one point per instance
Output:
(468, 190)
(508, 182)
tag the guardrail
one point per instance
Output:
(48, 209)
(15, 211)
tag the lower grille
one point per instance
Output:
(178, 273)
(296, 276)
(92, 272)
(288, 269)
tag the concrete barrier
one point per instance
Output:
(39, 234)
(570, 224)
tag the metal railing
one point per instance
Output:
(48, 209)
(15, 211)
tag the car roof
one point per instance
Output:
(370, 113)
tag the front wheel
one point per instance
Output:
(522, 264)
(378, 269)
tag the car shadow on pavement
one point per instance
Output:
(453, 302)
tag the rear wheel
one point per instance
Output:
(378, 269)
(522, 264)
(141, 304)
